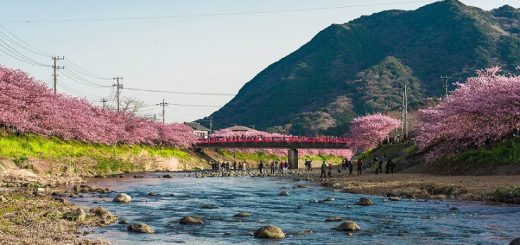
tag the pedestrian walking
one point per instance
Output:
(391, 165)
(380, 166)
(359, 166)
(323, 170)
(330, 170)
(261, 167)
(350, 167)
(273, 168)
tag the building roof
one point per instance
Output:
(239, 128)
(196, 126)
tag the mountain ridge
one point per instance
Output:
(295, 94)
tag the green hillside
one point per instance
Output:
(359, 67)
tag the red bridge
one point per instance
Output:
(292, 143)
(285, 142)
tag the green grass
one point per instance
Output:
(22, 147)
(505, 152)
(105, 159)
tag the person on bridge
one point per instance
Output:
(261, 167)
(359, 166)
(350, 167)
(323, 170)
(273, 167)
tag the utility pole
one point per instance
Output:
(55, 68)
(210, 124)
(104, 101)
(118, 86)
(404, 113)
(163, 104)
(445, 78)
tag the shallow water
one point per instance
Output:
(403, 222)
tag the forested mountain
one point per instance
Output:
(360, 67)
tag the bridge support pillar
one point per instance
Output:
(293, 158)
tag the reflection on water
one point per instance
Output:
(403, 222)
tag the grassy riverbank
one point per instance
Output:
(53, 156)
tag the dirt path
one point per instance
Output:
(482, 188)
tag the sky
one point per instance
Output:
(211, 47)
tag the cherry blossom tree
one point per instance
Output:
(483, 110)
(31, 107)
(370, 130)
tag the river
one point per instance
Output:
(401, 222)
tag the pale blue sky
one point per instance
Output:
(192, 52)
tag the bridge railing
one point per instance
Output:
(262, 139)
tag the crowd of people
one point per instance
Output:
(347, 166)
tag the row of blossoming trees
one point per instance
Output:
(482, 111)
(29, 106)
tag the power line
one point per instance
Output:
(85, 72)
(13, 53)
(22, 43)
(208, 15)
(178, 92)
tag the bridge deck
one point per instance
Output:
(291, 142)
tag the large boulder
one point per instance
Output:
(76, 215)
(122, 197)
(140, 228)
(269, 232)
(283, 193)
(515, 241)
(365, 201)
(348, 226)
(191, 220)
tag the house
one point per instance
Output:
(200, 131)
(239, 128)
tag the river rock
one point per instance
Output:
(106, 216)
(242, 215)
(191, 220)
(336, 185)
(76, 215)
(138, 176)
(365, 201)
(515, 241)
(124, 222)
(313, 201)
(283, 193)
(329, 199)
(348, 226)
(394, 199)
(269, 232)
(152, 194)
(333, 219)
(140, 228)
(122, 197)
(301, 186)
(168, 176)
(209, 206)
